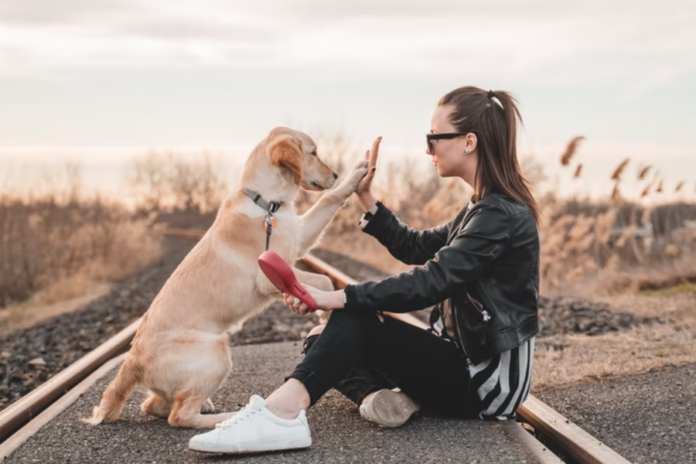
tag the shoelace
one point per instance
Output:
(244, 413)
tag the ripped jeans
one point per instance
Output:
(358, 354)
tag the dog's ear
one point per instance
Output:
(286, 153)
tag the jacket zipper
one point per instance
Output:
(469, 364)
(479, 307)
(484, 314)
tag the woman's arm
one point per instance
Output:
(479, 243)
(408, 245)
(405, 244)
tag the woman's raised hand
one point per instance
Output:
(363, 190)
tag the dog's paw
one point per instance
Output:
(350, 183)
(359, 170)
(207, 407)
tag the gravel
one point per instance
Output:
(564, 315)
(29, 357)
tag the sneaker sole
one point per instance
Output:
(392, 409)
(251, 447)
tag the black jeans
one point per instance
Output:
(358, 354)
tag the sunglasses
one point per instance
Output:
(448, 135)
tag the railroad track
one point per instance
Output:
(22, 419)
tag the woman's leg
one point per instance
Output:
(360, 381)
(340, 346)
(429, 369)
(378, 400)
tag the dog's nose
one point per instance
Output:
(335, 175)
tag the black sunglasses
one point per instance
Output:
(448, 135)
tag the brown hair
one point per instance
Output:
(495, 126)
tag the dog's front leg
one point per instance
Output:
(315, 220)
(318, 281)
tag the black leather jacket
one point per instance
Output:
(484, 264)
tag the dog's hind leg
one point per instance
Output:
(157, 406)
(187, 412)
(195, 399)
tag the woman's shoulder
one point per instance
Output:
(497, 199)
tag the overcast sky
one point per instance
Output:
(100, 78)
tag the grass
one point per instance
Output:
(17, 316)
(58, 244)
(45, 240)
(579, 358)
(686, 287)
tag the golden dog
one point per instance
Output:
(180, 353)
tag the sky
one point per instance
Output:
(101, 81)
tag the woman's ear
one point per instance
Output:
(471, 142)
(285, 152)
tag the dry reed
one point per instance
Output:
(616, 175)
(571, 149)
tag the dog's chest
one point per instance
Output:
(284, 235)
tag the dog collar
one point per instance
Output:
(269, 206)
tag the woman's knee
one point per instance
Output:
(312, 337)
(316, 330)
(353, 320)
(343, 326)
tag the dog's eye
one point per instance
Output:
(314, 153)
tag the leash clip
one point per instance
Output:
(268, 226)
(269, 223)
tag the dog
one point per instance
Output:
(180, 352)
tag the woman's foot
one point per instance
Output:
(254, 428)
(388, 408)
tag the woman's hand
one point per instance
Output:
(325, 300)
(367, 200)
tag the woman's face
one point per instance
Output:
(449, 154)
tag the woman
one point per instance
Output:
(481, 270)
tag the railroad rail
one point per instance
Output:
(23, 418)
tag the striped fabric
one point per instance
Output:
(503, 381)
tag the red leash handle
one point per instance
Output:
(280, 274)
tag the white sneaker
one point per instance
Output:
(253, 429)
(389, 408)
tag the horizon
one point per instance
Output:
(107, 173)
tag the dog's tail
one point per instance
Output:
(116, 394)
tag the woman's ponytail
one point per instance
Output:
(492, 115)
